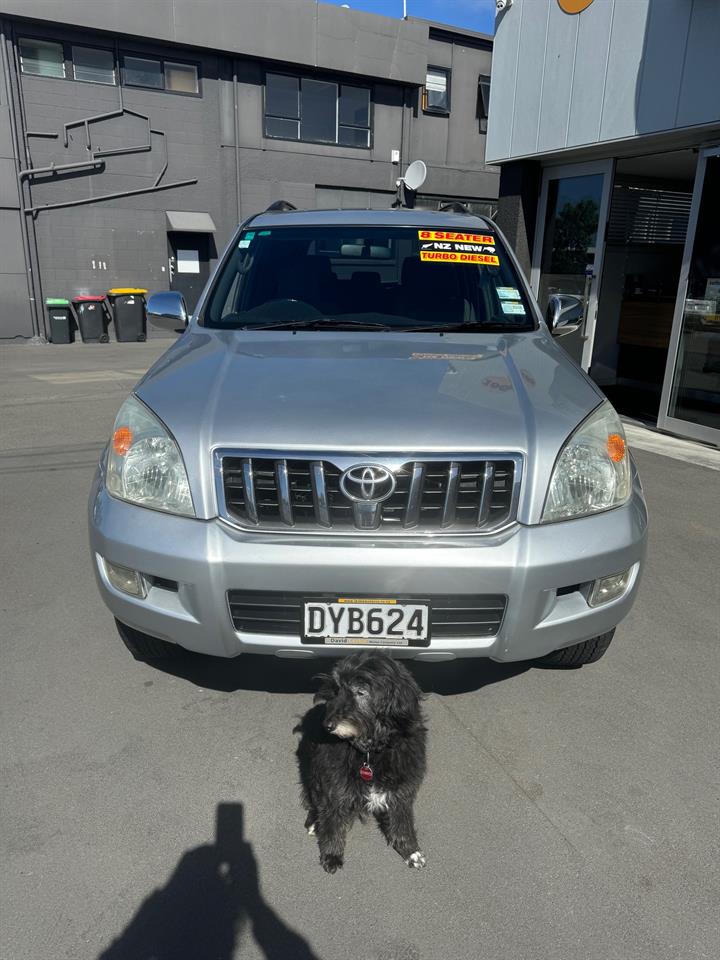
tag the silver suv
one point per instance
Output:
(367, 435)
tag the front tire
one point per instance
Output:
(144, 647)
(581, 653)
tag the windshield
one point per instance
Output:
(394, 278)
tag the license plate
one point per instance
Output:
(351, 621)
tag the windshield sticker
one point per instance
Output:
(457, 237)
(444, 246)
(510, 306)
(246, 239)
(508, 293)
(264, 233)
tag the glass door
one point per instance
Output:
(690, 402)
(569, 242)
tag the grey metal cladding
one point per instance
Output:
(616, 70)
(591, 56)
(297, 31)
(558, 77)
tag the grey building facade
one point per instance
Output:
(135, 136)
(605, 121)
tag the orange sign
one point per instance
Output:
(574, 6)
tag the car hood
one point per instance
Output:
(368, 393)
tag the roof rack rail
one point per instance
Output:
(452, 206)
(280, 206)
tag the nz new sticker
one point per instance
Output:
(446, 246)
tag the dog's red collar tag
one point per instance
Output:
(366, 773)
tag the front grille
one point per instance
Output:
(451, 615)
(431, 495)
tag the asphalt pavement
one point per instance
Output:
(154, 813)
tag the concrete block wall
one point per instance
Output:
(91, 247)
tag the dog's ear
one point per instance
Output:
(404, 697)
(327, 689)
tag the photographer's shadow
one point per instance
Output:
(212, 899)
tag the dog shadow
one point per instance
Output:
(212, 898)
(277, 675)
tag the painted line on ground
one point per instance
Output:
(91, 376)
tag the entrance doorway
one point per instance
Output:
(569, 242)
(646, 233)
(189, 256)
(691, 392)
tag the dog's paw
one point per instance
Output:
(311, 829)
(331, 863)
(416, 860)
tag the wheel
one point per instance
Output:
(581, 653)
(144, 647)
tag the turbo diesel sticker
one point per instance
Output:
(445, 246)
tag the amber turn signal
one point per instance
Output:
(615, 447)
(122, 440)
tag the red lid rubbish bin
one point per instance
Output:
(93, 318)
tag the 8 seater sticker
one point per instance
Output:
(447, 246)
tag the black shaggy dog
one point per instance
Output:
(362, 750)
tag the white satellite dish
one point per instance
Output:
(407, 185)
(415, 175)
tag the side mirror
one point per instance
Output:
(564, 314)
(167, 310)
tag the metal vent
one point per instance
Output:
(648, 215)
(268, 491)
(278, 612)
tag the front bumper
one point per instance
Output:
(527, 564)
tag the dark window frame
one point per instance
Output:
(43, 38)
(327, 78)
(483, 109)
(162, 60)
(438, 111)
(118, 65)
(93, 46)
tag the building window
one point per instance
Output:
(436, 93)
(318, 111)
(93, 65)
(181, 77)
(160, 74)
(483, 102)
(140, 72)
(354, 116)
(41, 58)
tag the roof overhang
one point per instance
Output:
(190, 221)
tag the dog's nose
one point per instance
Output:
(329, 726)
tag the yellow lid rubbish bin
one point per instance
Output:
(128, 306)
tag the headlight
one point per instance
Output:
(144, 463)
(592, 472)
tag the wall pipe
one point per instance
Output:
(110, 196)
(236, 132)
(29, 277)
(58, 168)
(32, 232)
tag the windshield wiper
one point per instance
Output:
(459, 328)
(316, 323)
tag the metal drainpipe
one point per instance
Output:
(29, 275)
(31, 231)
(116, 54)
(236, 131)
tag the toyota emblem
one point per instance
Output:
(367, 483)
